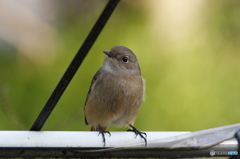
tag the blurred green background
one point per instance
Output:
(188, 51)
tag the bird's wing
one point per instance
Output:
(95, 77)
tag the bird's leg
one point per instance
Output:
(137, 132)
(102, 132)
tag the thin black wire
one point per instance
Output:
(73, 67)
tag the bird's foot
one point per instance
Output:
(102, 132)
(143, 135)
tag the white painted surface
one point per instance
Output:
(76, 138)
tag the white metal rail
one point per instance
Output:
(217, 142)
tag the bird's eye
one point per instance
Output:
(125, 59)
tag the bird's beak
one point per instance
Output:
(108, 53)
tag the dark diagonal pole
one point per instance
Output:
(73, 67)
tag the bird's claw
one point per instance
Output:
(103, 135)
(137, 132)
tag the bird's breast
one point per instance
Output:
(116, 93)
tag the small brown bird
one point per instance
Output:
(116, 93)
